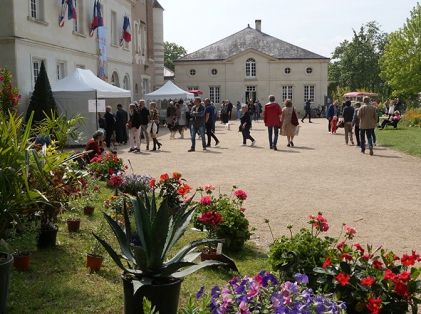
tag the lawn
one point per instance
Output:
(59, 282)
(404, 139)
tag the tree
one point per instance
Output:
(355, 63)
(401, 62)
(42, 101)
(172, 52)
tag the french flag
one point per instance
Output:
(97, 20)
(70, 7)
(126, 34)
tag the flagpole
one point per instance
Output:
(96, 108)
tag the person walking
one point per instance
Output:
(348, 115)
(182, 117)
(120, 125)
(229, 109)
(238, 107)
(368, 121)
(307, 109)
(144, 121)
(197, 125)
(356, 124)
(245, 126)
(332, 111)
(109, 125)
(134, 128)
(289, 122)
(272, 118)
(209, 123)
(171, 119)
(153, 126)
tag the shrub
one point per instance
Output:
(104, 166)
(9, 95)
(134, 183)
(413, 117)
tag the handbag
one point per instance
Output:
(294, 118)
(297, 130)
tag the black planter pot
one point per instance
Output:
(6, 262)
(163, 296)
(47, 237)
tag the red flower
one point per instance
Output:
(240, 194)
(205, 200)
(349, 231)
(404, 276)
(115, 181)
(110, 171)
(401, 289)
(389, 275)
(152, 183)
(1, 78)
(359, 248)
(164, 177)
(343, 279)
(211, 218)
(365, 257)
(319, 222)
(327, 262)
(409, 260)
(374, 305)
(184, 189)
(176, 175)
(126, 167)
(367, 281)
(377, 264)
(96, 159)
(340, 245)
(242, 209)
(346, 257)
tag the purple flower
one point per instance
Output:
(199, 293)
(301, 278)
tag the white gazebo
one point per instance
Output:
(169, 91)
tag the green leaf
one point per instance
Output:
(141, 218)
(140, 256)
(138, 285)
(189, 247)
(172, 268)
(326, 271)
(160, 230)
(190, 270)
(112, 253)
(127, 222)
(121, 238)
(191, 257)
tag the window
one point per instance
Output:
(309, 92)
(114, 36)
(251, 68)
(114, 79)
(126, 82)
(61, 69)
(136, 38)
(145, 86)
(78, 22)
(309, 70)
(250, 93)
(286, 92)
(287, 70)
(35, 9)
(36, 68)
(192, 72)
(214, 93)
(214, 71)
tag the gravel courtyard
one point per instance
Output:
(379, 195)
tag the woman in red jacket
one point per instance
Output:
(272, 118)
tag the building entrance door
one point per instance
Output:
(250, 93)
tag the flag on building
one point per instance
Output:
(97, 20)
(126, 33)
(70, 7)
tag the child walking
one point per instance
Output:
(246, 125)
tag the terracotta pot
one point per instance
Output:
(21, 261)
(73, 225)
(88, 210)
(208, 254)
(94, 262)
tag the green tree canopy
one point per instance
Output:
(172, 52)
(401, 62)
(42, 100)
(355, 63)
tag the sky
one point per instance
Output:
(316, 25)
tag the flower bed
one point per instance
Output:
(105, 166)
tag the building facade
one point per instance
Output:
(30, 33)
(252, 65)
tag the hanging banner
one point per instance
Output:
(102, 53)
(95, 105)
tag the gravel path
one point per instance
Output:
(379, 195)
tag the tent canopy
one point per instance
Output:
(169, 91)
(82, 80)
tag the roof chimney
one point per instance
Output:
(258, 25)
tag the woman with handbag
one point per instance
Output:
(289, 122)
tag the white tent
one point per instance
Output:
(169, 91)
(73, 92)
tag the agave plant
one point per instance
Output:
(158, 231)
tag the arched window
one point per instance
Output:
(126, 82)
(114, 79)
(251, 67)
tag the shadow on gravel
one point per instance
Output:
(304, 147)
(386, 156)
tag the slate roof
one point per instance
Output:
(157, 5)
(250, 38)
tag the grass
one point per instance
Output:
(59, 282)
(404, 139)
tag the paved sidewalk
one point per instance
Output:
(380, 195)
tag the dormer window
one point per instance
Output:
(251, 67)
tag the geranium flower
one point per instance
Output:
(359, 248)
(389, 275)
(377, 264)
(240, 194)
(208, 188)
(327, 262)
(110, 171)
(210, 218)
(96, 159)
(176, 175)
(367, 281)
(346, 256)
(152, 183)
(374, 305)
(349, 231)
(340, 245)
(401, 289)
(404, 276)
(184, 189)
(242, 209)
(206, 200)
(409, 260)
(164, 177)
(115, 181)
(319, 222)
(343, 279)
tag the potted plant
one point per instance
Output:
(94, 257)
(211, 220)
(21, 260)
(6, 261)
(148, 273)
(73, 222)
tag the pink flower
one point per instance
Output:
(240, 194)
(319, 222)
(206, 200)
(349, 231)
(243, 308)
(242, 209)
(208, 188)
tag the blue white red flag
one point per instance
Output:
(126, 34)
(97, 20)
(70, 7)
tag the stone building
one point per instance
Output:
(252, 65)
(30, 33)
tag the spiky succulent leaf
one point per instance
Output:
(127, 225)
(121, 238)
(191, 269)
(189, 247)
(140, 257)
(142, 224)
(160, 230)
(112, 253)
(172, 268)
